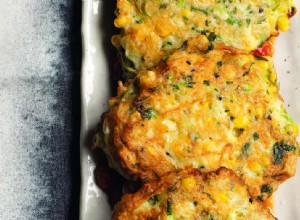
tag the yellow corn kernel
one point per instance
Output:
(273, 77)
(260, 112)
(205, 105)
(254, 166)
(222, 197)
(208, 120)
(189, 183)
(209, 146)
(152, 151)
(265, 161)
(239, 189)
(147, 78)
(185, 12)
(263, 64)
(283, 23)
(272, 89)
(163, 30)
(121, 21)
(241, 121)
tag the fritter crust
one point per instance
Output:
(203, 110)
(191, 194)
(153, 29)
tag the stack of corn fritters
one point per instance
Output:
(199, 119)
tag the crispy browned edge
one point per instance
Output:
(129, 202)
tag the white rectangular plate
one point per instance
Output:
(95, 89)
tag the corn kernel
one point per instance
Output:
(263, 64)
(265, 161)
(254, 166)
(241, 121)
(189, 183)
(260, 112)
(185, 12)
(272, 89)
(222, 197)
(152, 151)
(205, 105)
(283, 23)
(163, 30)
(121, 21)
(273, 77)
(208, 120)
(239, 189)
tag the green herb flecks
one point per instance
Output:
(188, 80)
(204, 11)
(209, 196)
(146, 113)
(279, 150)
(206, 82)
(266, 189)
(248, 21)
(153, 89)
(255, 136)
(165, 58)
(140, 99)
(246, 150)
(233, 21)
(171, 189)
(153, 200)
(169, 206)
(194, 137)
(212, 36)
(168, 44)
(162, 6)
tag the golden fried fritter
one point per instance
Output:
(153, 29)
(192, 195)
(204, 110)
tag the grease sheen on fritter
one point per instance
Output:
(192, 195)
(153, 29)
(204, 110)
